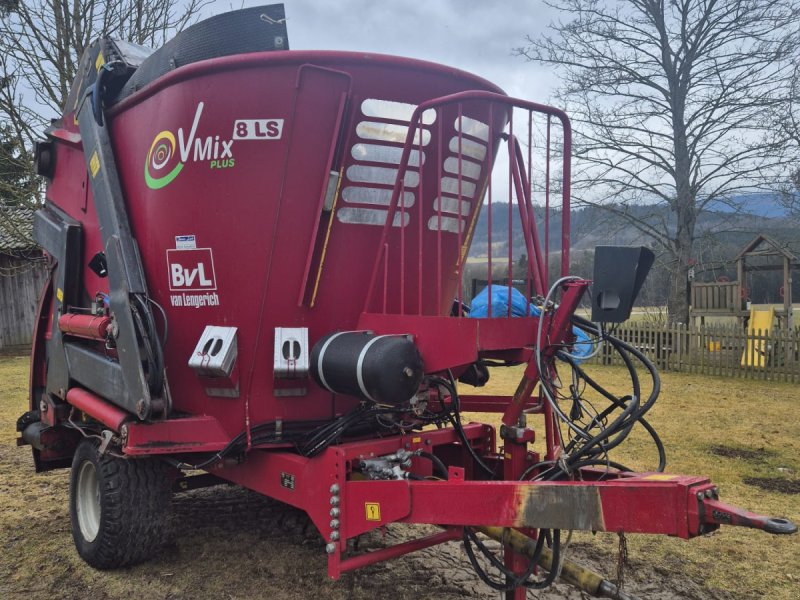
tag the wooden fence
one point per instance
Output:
(724, 297)
(713, 350)
(21, 280)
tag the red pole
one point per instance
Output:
(97, 408)
(547, 211)
(94, 327)
(461, 257)
(439, 117)
(511, 158)
(375, 556)
(489, 163)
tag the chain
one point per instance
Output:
(622, 560)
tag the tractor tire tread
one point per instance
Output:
(135, 499)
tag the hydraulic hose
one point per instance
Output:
(581, 577)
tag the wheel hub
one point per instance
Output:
(88, 501)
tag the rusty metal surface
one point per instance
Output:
(560, 507)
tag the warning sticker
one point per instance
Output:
(373, 511)
(94, 163)
(287, 480)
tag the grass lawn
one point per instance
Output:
(730, 430)
(727, 429)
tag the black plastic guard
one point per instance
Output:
(257, 29)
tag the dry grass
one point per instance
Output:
(697, 416)
(225, 543)
(241, 547)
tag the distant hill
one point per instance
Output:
(590, 226)
(762, 205)
(720, 235)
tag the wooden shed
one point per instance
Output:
(23, 272)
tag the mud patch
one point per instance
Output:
(750, 454)
(774, 484)
(286, 553)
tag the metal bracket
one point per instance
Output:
(125, 271)
(105, 436)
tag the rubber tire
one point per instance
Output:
(134, 501)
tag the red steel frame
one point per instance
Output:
(519, 180)
(343, 507)
(327, 486)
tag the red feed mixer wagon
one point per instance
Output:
(257, 264)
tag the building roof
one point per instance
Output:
(768, 247)
(16, 229)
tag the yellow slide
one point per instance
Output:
(755, 350)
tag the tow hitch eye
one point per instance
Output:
(717, 513)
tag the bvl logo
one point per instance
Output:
(191, 270)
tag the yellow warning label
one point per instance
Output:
(94, 164)
(416, 440)
(60, 294)
(99, 62)
(660, 477)
(373, 511)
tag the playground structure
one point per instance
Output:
(264, 290)
(725, 298)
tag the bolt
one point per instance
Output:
(43, 406)
(428, 442)
(334, 512)
(700, 495)
(334, 535)
(709, 493)
(408, 372)
(334, 523)
(334, 488)
(330, 548)
(334, 500)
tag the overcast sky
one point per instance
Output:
(471, 35)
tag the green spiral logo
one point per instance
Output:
(157, 173)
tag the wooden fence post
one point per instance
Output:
(713, 350)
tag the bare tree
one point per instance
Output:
(41, 42)
(671, 101)
(16, 185)
(788, 131)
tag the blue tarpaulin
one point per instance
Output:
(520, 307)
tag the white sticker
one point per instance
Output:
(258, 129)
(192, 279)
(185, 242)
(191, 270)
